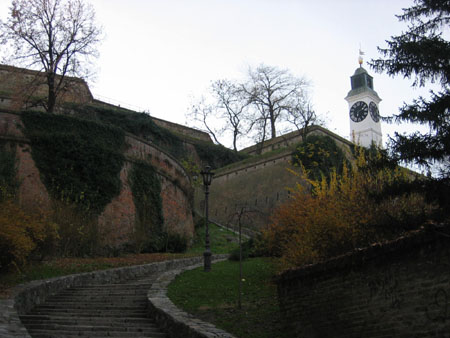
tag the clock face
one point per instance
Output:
(374, 113)
(359, 111)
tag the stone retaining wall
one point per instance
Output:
(397, 289)
(175, 322)
(26, 296)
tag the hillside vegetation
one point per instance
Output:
(142, 125)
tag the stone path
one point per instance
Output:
(110, 310)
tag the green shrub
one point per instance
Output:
(319, 155)
(247, 251)
(199, 223)
(251, 248)
(176, 243)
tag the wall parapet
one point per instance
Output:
(397, 288)
(284, 155)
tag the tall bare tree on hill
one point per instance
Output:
(275, 92)
(56, 37)
(258, 107)
(225, 112)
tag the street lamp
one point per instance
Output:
(207, 178)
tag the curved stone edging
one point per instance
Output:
(26, 296)
(172, 320)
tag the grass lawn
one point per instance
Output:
(221, 240)
(213, 297)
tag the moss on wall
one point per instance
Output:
(79, 160)
(217, 156)
(142, 125)
(8, 179)
(146, 188)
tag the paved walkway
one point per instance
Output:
(111, 310)
(122, 302)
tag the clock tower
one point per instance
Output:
(365, 126)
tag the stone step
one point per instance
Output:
(84, 334)
(97, 313)
(83, 303)
(89, 306)
(83, 327)
(112, 300)
(112, 287)
(36, 319)
(103, 293)
(129, 286)
(111, 310)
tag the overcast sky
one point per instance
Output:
(160, 54)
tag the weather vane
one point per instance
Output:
(360, 58)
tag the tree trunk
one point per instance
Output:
(272, 123)
(51, 93)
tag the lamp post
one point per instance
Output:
(207, 178)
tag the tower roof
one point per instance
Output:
(360, 70)
(361, 82)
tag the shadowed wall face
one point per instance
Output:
(260, 187)
(400, 289)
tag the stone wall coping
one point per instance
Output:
(172, 320)
(403, 245)
(256, 162)
(25, 296)
(296, 133)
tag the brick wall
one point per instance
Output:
(116, 222)
(399, 289)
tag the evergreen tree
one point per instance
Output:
(423, 54)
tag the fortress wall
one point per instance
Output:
(260, 183)
(117, 219)
(178, 128)
(19, 87)
(395, 289)
(32, 192)
(116, 222)
(259, 186)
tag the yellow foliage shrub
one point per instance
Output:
(23, 234)
(335, 216)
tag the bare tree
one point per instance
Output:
(54, 37)
(232, 107)
(273, 91)
(226, 111)
(302, 116)
(270, 98)
(204, 113)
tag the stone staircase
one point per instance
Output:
(110, 310)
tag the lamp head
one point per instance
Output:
(207, 175)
